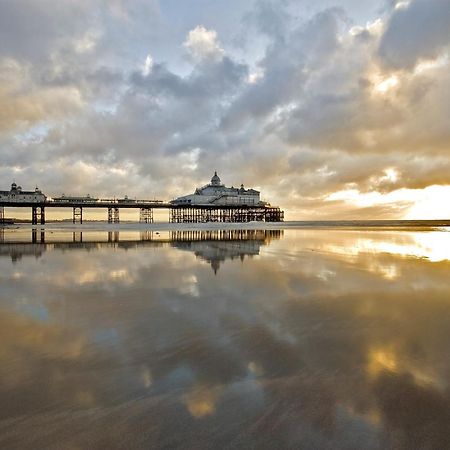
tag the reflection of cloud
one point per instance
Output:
(201, 401)
(381, 360)
(94, 276)
(255, 368)
(418, 416)
(433, 245)
(146, 376)
(85, 399)
(388, 271)
(189, 285)
(123, 275)
(302, 344)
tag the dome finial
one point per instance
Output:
(215, 180)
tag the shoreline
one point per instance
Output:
(408, 225)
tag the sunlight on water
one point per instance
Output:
(296, 338)
(433, 245)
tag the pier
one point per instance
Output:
(112, 209)
(213, 202)
(176, 213)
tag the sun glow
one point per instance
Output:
(431, 203)
(384, 85)
(426, 204)
(428, 65)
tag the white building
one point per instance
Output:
(17, 195)
(216, 193)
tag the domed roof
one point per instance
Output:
(215, 180)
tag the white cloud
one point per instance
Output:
(202, 44)
(87, 42)
(147, 66)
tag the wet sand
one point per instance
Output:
(284, 337)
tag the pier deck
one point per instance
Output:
(177, 213)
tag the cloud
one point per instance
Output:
(24, 104)
(202, 44)
(327, 112)
(420, 30)
(148, 66)
(32, 31)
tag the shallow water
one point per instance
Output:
(264, 339)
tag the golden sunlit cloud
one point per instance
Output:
(383, 85)
(430, 202)
(425, 66)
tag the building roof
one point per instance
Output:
(215, 180)
(22, 193)
(17, 190)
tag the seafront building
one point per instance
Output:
(17, 195)
(216, 193)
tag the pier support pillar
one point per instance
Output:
(273, 214)
(34, 236)
(37, 215)
(113, 215)
(77, 236)
(113, 236)
(146, 215)
(77, 214)
(238, 214)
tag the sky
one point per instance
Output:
(334, 109)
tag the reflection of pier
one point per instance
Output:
(17, 251)
(216, 246)
(213, 246)
(225, 235)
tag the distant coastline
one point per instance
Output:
(411, 225)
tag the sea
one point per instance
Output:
(301, 335)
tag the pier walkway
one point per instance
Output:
(177, 213)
